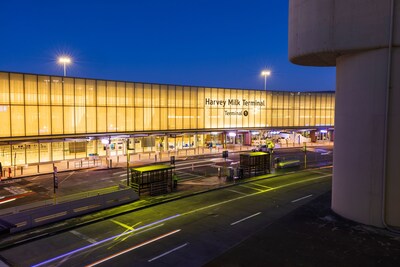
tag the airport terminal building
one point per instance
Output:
(46, 119)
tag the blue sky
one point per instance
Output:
(216, 43)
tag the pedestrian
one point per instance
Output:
(175, 179)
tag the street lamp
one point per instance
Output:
(64, 61)
(265, 73)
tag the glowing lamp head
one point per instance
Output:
(266, 73)
(64, 60)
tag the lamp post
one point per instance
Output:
(265, 73)
(64, 61)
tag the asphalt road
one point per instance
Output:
(186, 232)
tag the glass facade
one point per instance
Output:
(40, 107)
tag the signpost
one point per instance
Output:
(305, 155)
(55, 183)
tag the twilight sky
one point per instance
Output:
(217, 43)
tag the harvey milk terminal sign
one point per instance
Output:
(234, 102)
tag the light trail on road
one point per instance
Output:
(133, 248)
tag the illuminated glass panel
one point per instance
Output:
(16, 89)
(139, 119)
(44, 90)
(111, 94)
(69, 120)
(101, 119)
(139, 95)
(147, 95)
(45, 152)
(164, 96)
(4, 88)
(130, 119)
(91, 119)
(111, 119)
(69, 92)
(32, 152)
(101, 93)
(90, 93)
(57, 125)
(130, 94)
(155, 96)
(18, 120)
(120, 94)
(179, 118)
(80, 95)
(179, 97)
(155, 119)
(164, 118)
(80, 120)
(5, 120)
(44, 120)
(120, 119)
(56, 90)
(31, 94)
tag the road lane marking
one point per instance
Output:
(293, 201)
(260, 185)
(237, 192)
(67, 177)
(82, 236)
(251, 187)
(133, 248)
(168, 252)
(116, 173)
(246, 218)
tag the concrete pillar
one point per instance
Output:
(356, 36)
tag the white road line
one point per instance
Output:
(84, 237)
(293, 201)
(168, 252)
(122, 175)
(237, 192)
(67, 177)
(246, 218)
(116, 173)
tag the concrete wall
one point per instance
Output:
(354, 36)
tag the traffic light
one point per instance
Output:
(225, 154)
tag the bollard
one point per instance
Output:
(22, 170)
(155, 157)
(139, 156)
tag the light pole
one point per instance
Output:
(64, 61)
(265, 73)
